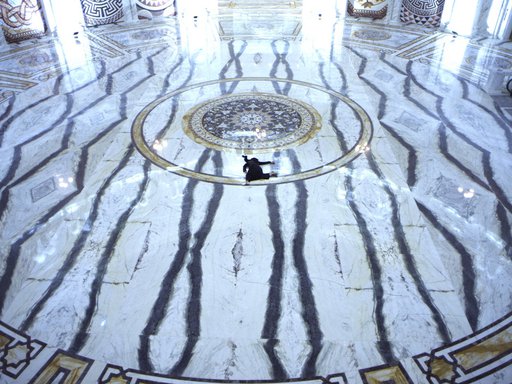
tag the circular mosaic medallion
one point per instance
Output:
(263, 120)
(251, 121)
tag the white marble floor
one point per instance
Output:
(139, 253)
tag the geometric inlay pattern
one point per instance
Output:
(251, 121)
(488, 350)
(16, 351)
(394, 373)
(71, 368)
(43, 189)
(97, 12)
(425, 12)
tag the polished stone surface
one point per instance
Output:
(131, 251)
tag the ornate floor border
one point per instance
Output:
(467, 360)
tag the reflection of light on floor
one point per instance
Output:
(261, 133)
(341, 193)
(362, 148)
(453, 55)
(65, 182)
(160, 145)
(461, 19)
(283, 166)
(467, 193)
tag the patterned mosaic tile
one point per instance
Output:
(21, 20)
(375, 9)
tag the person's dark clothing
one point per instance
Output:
(253, 170)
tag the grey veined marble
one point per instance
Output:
(131, 251)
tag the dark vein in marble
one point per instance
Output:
(307, 298)
(82, 334)
(468, 276)
(334, 104)
(7, 123)
(399, 234)
(8, 109)
(234, 59)
(275, 295)
(505, 229)
(80, 242)
(274, 299)
(382, 58)
(443, 143)
(281, 59)
(193, 317)
(384, 346)
(499, 121)
(410, 264)
(16, 159)
(502, 116)
(70, 125)
(486, 155)
(468, 270)
(412, 156)
(443, 146)
(161, 304)
(309, 311)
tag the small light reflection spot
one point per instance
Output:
(159, 145)
(40, 259)
(467, 193)
(362, 148)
